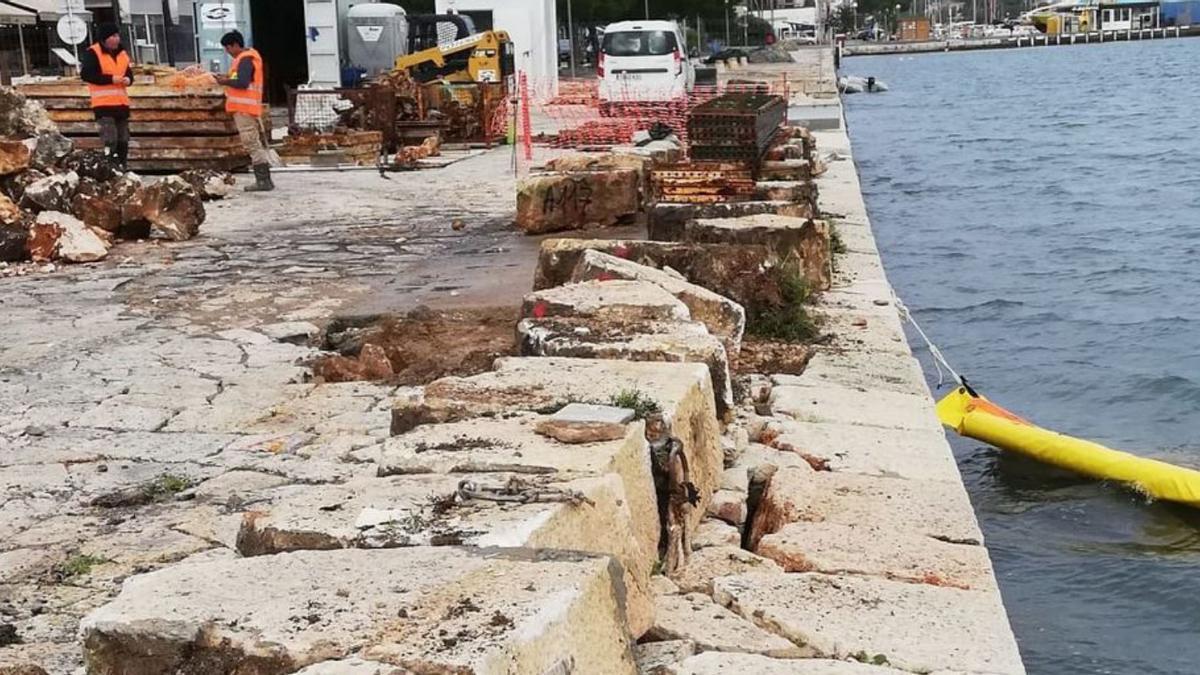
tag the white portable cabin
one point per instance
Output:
(532, 25)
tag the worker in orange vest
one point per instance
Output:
(244, 100)
(105, 68)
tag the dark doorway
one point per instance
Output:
(278, 34)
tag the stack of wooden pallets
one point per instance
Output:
(703, 182)
(170, 130)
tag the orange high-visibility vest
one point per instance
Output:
(246, 101)
(108, 95)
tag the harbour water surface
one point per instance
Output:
(1039, 210)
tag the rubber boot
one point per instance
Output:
(262, 179)
(122, 156)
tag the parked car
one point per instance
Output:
(643, 61)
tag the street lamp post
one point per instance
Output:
(647, 10)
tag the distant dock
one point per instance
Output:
(1094, 37)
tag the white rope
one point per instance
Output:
(939, 360)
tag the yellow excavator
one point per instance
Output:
(472, 57)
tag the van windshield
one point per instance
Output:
(639, 43)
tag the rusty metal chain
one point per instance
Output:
(519, 491)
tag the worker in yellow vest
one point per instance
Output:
(244, 100)
(106, 70)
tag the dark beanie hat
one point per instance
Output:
(106, 30)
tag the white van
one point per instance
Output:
(644, 61)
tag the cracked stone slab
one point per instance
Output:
(874, 408)
(657, 341)
(696, 618)
(932, 508)
(716, 663)
(915, 627)
(423, 510)
(707, 564)
(868, 548)
(875, 451)
(723, 317)
(513, 446)
(656, 658)
(616, 300)
(683, 392)
(884, 371)
(501, 612)
(289, 331)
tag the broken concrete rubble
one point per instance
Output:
(479, 611)
(209, 184)
(52, 193)
(13, 243)
(75, 242)
(14, 157)
(9, 213)
(666, 221)
(49, 147)
(173, 208)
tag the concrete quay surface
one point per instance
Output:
(179, 496)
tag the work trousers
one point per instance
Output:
(114, 134)
(254, 138)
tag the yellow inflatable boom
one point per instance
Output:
(976, 417)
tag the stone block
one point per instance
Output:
(607, 161)
(718, 663)
(714, 532)
(683, 392)
(666, 221)
(912, 627)
(869, 548)
(573, 201)
(873, 370)
(733, 270)
(707, 564)
(918, 454)
(656, 658)
(677, 341)
(438, 510)
(609, 300)
(728, 506)
(696, 618)
(14, 242)
(936, 509)
(845, 405)
(586, 423)
(805, 241)
(786, 170)
(804, 192)
(434, 609)
(723, 317)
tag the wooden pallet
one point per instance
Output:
(170, 130)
